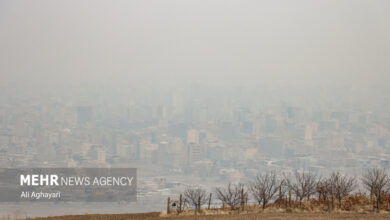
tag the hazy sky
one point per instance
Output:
(239, 42)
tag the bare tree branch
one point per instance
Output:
(231, 194)
(303, 185)
(192, 195)
(376, 181)
(264, 188)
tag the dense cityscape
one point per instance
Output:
(195, 104)
(196, 135)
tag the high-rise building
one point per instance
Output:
(192, 136)
(194, 153)
(84, 114)
(101, 156)
(161, 112)
(309, 129)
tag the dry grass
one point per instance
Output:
(354, 207)
(253, 216)
(150, 215)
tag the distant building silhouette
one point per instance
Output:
(84, 114)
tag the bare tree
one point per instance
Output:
(282, 188)
(322, 187)
(331, 191)
(232, 195)
(264, 187)
(195, 195)
(303, 185)
(342, 185)
(376, 181)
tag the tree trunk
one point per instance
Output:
(168, 205)
(180, 203)
(198, 203)
(280, 195)
(340, 201)
(242, 199)
(209, 201)
(286, 202)
(332, 202)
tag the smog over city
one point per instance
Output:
(179, 98)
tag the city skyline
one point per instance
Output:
(193, 93)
